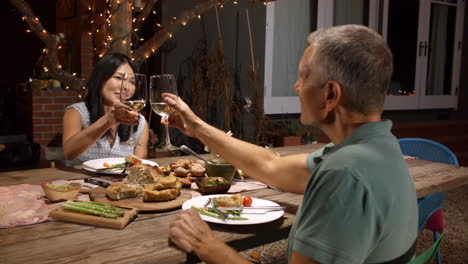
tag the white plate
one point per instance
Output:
(93, 165)
(253, 218)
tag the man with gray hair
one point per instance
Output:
(359, 201)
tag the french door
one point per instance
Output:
(424, 36)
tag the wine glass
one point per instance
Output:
(134, 93)
(159, 84)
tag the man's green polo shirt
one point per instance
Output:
(360, 203)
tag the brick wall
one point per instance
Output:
(87, 55)
(47, 113)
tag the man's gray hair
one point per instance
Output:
(358, 59)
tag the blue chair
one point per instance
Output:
(429, 207)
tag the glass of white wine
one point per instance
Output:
(159, 84)
(134, 93)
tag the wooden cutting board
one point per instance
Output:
(77, 217)
(99, 195)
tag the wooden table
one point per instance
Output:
(145, 239)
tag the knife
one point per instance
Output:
(97, 182)
(271, 208)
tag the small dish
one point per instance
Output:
(213, 185)
(56, 193)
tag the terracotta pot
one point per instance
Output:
(291, 141)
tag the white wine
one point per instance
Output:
(137, 105)
(162, 109)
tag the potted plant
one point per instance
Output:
(294, 133)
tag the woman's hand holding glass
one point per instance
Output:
(134, 94)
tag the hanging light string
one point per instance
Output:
(52, 43)
(148, 48)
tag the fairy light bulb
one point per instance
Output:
(124, 42)
(28, 31)
(184, 23)
(74, 74)
(199, 16)
(89, 8)
(154, 12)
(24, 18)
(43, 31)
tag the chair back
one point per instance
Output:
(428, 256)
(432, 151)
(427, 150)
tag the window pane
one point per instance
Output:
(402, 38)
(441, 40)
(290, 40)
(351, 12)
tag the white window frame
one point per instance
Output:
(290, 104)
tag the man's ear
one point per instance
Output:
(333, 94)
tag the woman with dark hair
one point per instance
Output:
(95, 128)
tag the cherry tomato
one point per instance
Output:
(247, 201)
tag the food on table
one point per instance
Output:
(60, 187)
(125, 191)
(216, 213)
(185, 181)
(175, 164)
(235, 200)
(143, 173)
(181, 172)
(146, 184)
(247, 201)
(160, 195)
(197, 170)
(213, 185)
(55, 192)
(93, 208)
(161, 183)
(132, 159)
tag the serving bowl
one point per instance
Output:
(56, 193)
(213, 185)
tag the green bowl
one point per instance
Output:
(221, 169)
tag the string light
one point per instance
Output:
(235, 2)
(59, 66)
(154, 12)
(199, 16)
(184, 23)
(89, 33)
(67, 87)
(28, 31)
(37, 19)
(24, 18)
(43, 31)
(157, 24)
(124, 42)
(136, 29)
(74, 74)
(89, 8)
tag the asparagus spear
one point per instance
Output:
(99, 207)
(94, 209)
(215, 215)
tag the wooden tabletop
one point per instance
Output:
(145, 239)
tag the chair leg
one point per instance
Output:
(439, 259)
